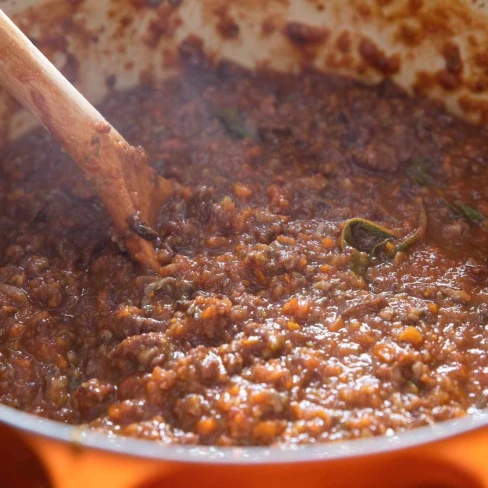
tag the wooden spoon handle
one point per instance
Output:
(130, 190)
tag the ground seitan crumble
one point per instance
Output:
(324, 267)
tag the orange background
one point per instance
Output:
(459, 462)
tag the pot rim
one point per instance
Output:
(80, 436)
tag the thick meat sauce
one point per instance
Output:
(324, 267)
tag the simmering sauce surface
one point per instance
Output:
(324, 267)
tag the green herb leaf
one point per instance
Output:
(454, 209)
(417, 234)
(364, 235)
(370, 239)
(472, 214)
(418, 171)
(232, 121)
(467, 212)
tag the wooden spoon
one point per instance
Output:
(130, 190)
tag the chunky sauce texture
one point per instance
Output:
(277, 319)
